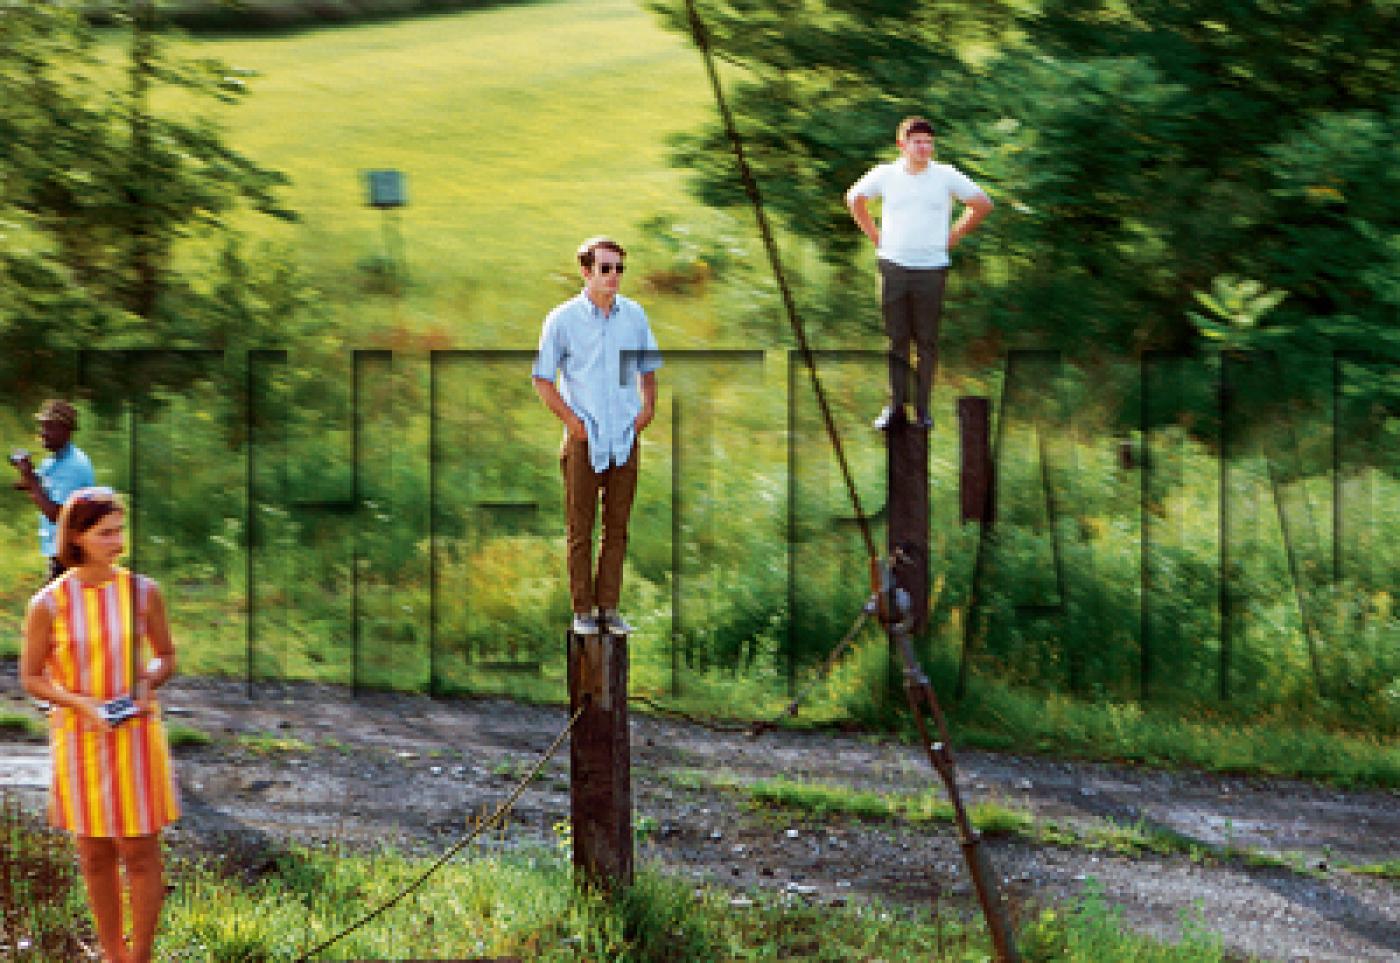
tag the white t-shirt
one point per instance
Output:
(916, 210)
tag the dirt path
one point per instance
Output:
(407, 769)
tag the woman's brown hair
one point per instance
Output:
(83, 509)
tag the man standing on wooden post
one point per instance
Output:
(913, 242)
(600, 347)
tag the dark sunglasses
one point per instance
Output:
(609, 268)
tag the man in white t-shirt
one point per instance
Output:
(913, 242)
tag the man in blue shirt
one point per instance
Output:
(600, 348)
(61, 474)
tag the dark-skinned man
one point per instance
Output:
(66, 470)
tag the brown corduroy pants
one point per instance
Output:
(582, 487)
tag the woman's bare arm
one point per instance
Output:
(33, 672)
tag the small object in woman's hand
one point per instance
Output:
(116, 711)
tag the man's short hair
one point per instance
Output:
(587, 249)
(912, 125)
(56, 409)
(83, 509)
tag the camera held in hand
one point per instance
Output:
(18, 455)
(118, 710)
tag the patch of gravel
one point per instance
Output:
(410, 771)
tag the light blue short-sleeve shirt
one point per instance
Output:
(596, 359)
(60, 475)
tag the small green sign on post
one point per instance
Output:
(388, 191)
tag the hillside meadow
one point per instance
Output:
(524, 128)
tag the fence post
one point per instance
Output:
(600, 768)
(978, 474)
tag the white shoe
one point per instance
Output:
(615, 622)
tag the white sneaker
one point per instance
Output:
(615, 622)
(585, 624)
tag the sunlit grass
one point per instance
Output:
(1388, 869)
(521, 130)
(268, 743)
(178, 735)
(23, 725)
(525, 905)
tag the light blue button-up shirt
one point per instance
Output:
(60, 475)
(597, 358)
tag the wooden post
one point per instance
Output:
(909, 516)
(978, 476)
(907, 501)
(600, 780)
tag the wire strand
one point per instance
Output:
(764, 725)
(455, 848)
(702, 41)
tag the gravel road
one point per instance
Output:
(408, 770)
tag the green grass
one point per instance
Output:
(1095, 930)
(518, 139)
(1000, 718)
(990, 817)
(525, 905)
(523, 128)
(268, 743)
(178, 734)
(1389, 869)
(23, 725)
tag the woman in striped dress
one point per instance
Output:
(112, 784)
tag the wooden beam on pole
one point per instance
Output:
(977, 480)
(600, 777)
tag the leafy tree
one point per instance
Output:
(1139, 152)
(114, 218)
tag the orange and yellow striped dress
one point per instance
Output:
(116, 783)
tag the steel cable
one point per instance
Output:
(500, 813)
(702, 41)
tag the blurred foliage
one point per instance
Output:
(1138, 154)
(447, 573)
(342, 516)
(115, 217)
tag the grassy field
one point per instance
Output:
(524, 905)
(521, 129)
(526, 127)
